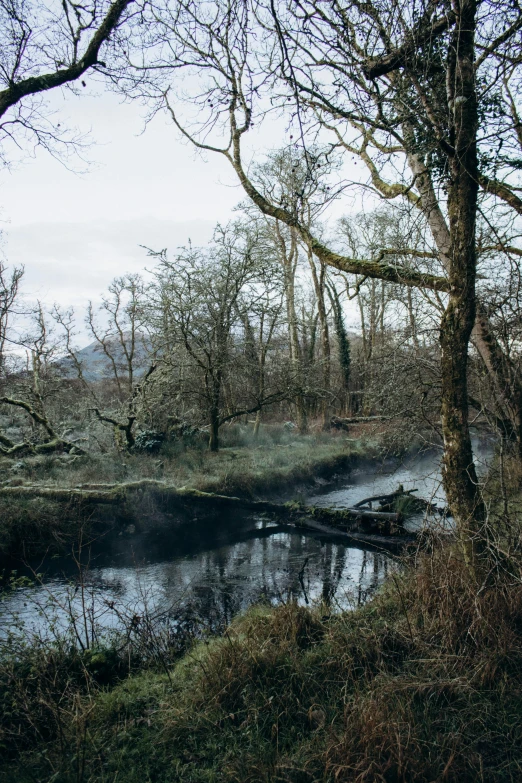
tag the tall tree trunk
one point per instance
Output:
(289, 263)
(366, 356)
(214, 386)
(459, 476)
(319, 287)
(343, 347)
(411, 317)
(505, 378)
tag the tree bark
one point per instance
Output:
(319, 287)
(289, 259)
(459, 475)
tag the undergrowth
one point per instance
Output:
(424, 683)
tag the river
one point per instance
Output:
(203, 572)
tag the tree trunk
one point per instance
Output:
(343, 347)
(504, 375)
(505, 378)
(459, 476)
(214, 385)
(319, 286)
(366, 355)
(295, 350)
(213, 441)
(413, 323)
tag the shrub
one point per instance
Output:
(149, 441)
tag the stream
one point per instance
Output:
(206, 571)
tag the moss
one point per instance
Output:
(32, 527)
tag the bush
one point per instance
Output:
(149, 441)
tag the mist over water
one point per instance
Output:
(205, 571)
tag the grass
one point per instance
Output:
(243, 462)
(424, 683)
(242, 465)
(278, 460)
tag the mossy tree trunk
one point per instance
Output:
(213, 412)
(459, 475)
(289, 257)
(343, 346)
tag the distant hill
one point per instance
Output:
(96, 365)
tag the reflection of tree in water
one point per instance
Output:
(274, 570)
(333, 564)
(233, 578)
(203, 589)
(374, 569)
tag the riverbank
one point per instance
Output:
(423, 683)
(30, 526)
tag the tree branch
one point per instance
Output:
(501, 191)
(400, 57)
(374, 269)
(47, 81)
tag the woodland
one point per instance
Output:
(364, 301)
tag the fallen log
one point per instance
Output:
(389, 542)
(387, 500)
(64, 495)
(339, 423)
(111, 494)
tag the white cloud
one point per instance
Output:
(73, 262)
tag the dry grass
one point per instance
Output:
(423, 684)
(244, 467)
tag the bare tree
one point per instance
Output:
(9, 292)
(36, 386)
(126, 357)
(201, 299)
(395, 84)
(43, 46)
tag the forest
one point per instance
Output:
(260, 503)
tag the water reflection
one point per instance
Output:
(212, 585)
(206, 572)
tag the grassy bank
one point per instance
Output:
(423, 684)
(275, 463)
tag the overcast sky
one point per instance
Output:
(75, 232)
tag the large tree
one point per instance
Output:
(423, 93)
